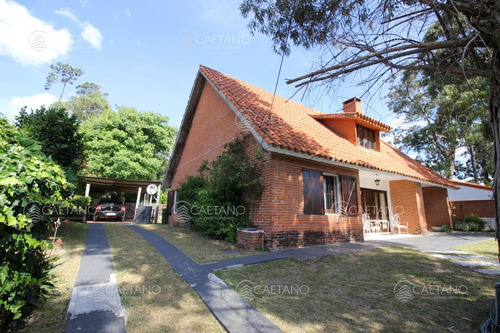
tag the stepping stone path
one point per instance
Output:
(468, 260)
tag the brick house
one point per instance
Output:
(323, 169)
(471, 198)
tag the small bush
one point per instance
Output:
(446, 228)
(470, 223)
(477, 223)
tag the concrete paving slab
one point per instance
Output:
(488, 271)
(460, 256)
(446, 252)
(476, 263)
(95, 304)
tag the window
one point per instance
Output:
(366, 137)
(332, 198)
(329, 194)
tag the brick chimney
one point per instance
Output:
(352, 105)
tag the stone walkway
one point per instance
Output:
(95, 304)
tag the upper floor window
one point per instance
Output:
(366, 137)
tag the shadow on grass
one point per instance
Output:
(156, 297)
(357, 292)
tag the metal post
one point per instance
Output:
(497, 302)
(157, 203)
(87, 193)
(137, 202)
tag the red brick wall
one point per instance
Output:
(407, 201)
(213, 125)
(250, 240)
(482, 208)
(280, 211)
(437, 208)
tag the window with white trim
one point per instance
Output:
(331, 189)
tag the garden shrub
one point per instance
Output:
(446, 229)
(219, 198)
(471, 222)
(26, 177)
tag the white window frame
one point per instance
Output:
(337, 193)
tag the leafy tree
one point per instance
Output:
(127, 144)
(27, 179)
(442, 115)
(89, 100)
(388, 35)
(221, 196)
(57, 133)
(64, 74)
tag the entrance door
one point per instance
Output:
(375, 204)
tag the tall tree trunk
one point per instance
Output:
(473, 161)
(62, 92)
(495, 123)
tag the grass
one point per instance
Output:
(50, 315)
(156, 297)
(488, 248)
(197, 246)
(355, 293)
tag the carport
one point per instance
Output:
(124, 185)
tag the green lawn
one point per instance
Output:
(156, 297)
(488, 248)
(50, 316)
(356, 293)
(197, 246)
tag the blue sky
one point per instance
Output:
(145, 54)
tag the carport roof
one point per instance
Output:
(118, 185)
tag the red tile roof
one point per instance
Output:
(360, 119)
(290, 125)
(469, 184)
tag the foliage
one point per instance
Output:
(57, 133)
(446, 229)
(471, 222)
(63, 73)
(88, 101)
(441, 115)
(127, 144)
(28, 179)
(220, 197)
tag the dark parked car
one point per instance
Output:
(108, 209)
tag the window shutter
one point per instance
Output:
(170, 202)
(350, 195)
(313, 192)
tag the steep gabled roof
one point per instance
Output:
(292, 127)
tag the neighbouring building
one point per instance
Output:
(472, 198)
(323, 170)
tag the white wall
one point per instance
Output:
(468, 193)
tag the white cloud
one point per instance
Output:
(27, 39)
(127, 12)
(33, 102)
(90, 34)
(10, 108)
(67, 12)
